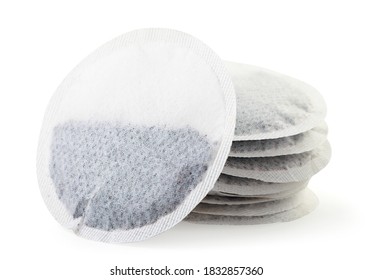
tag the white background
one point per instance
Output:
(325, 43)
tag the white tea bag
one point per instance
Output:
(269, 196)
(250, 187)
(136, 136)
(252, 209)
(233, 200)
(280, 169)
(308, 205)
(295, 144)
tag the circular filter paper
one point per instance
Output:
(136, 136)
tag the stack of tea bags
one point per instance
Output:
(280, 143)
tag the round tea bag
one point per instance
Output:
(239, 186)
(309, 203)
(228, 200)
(253, 209)
(272, 105)
(280, 169)
(294, 144)
(231, 197)
(136, 136)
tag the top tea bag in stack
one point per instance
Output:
(280, 142)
